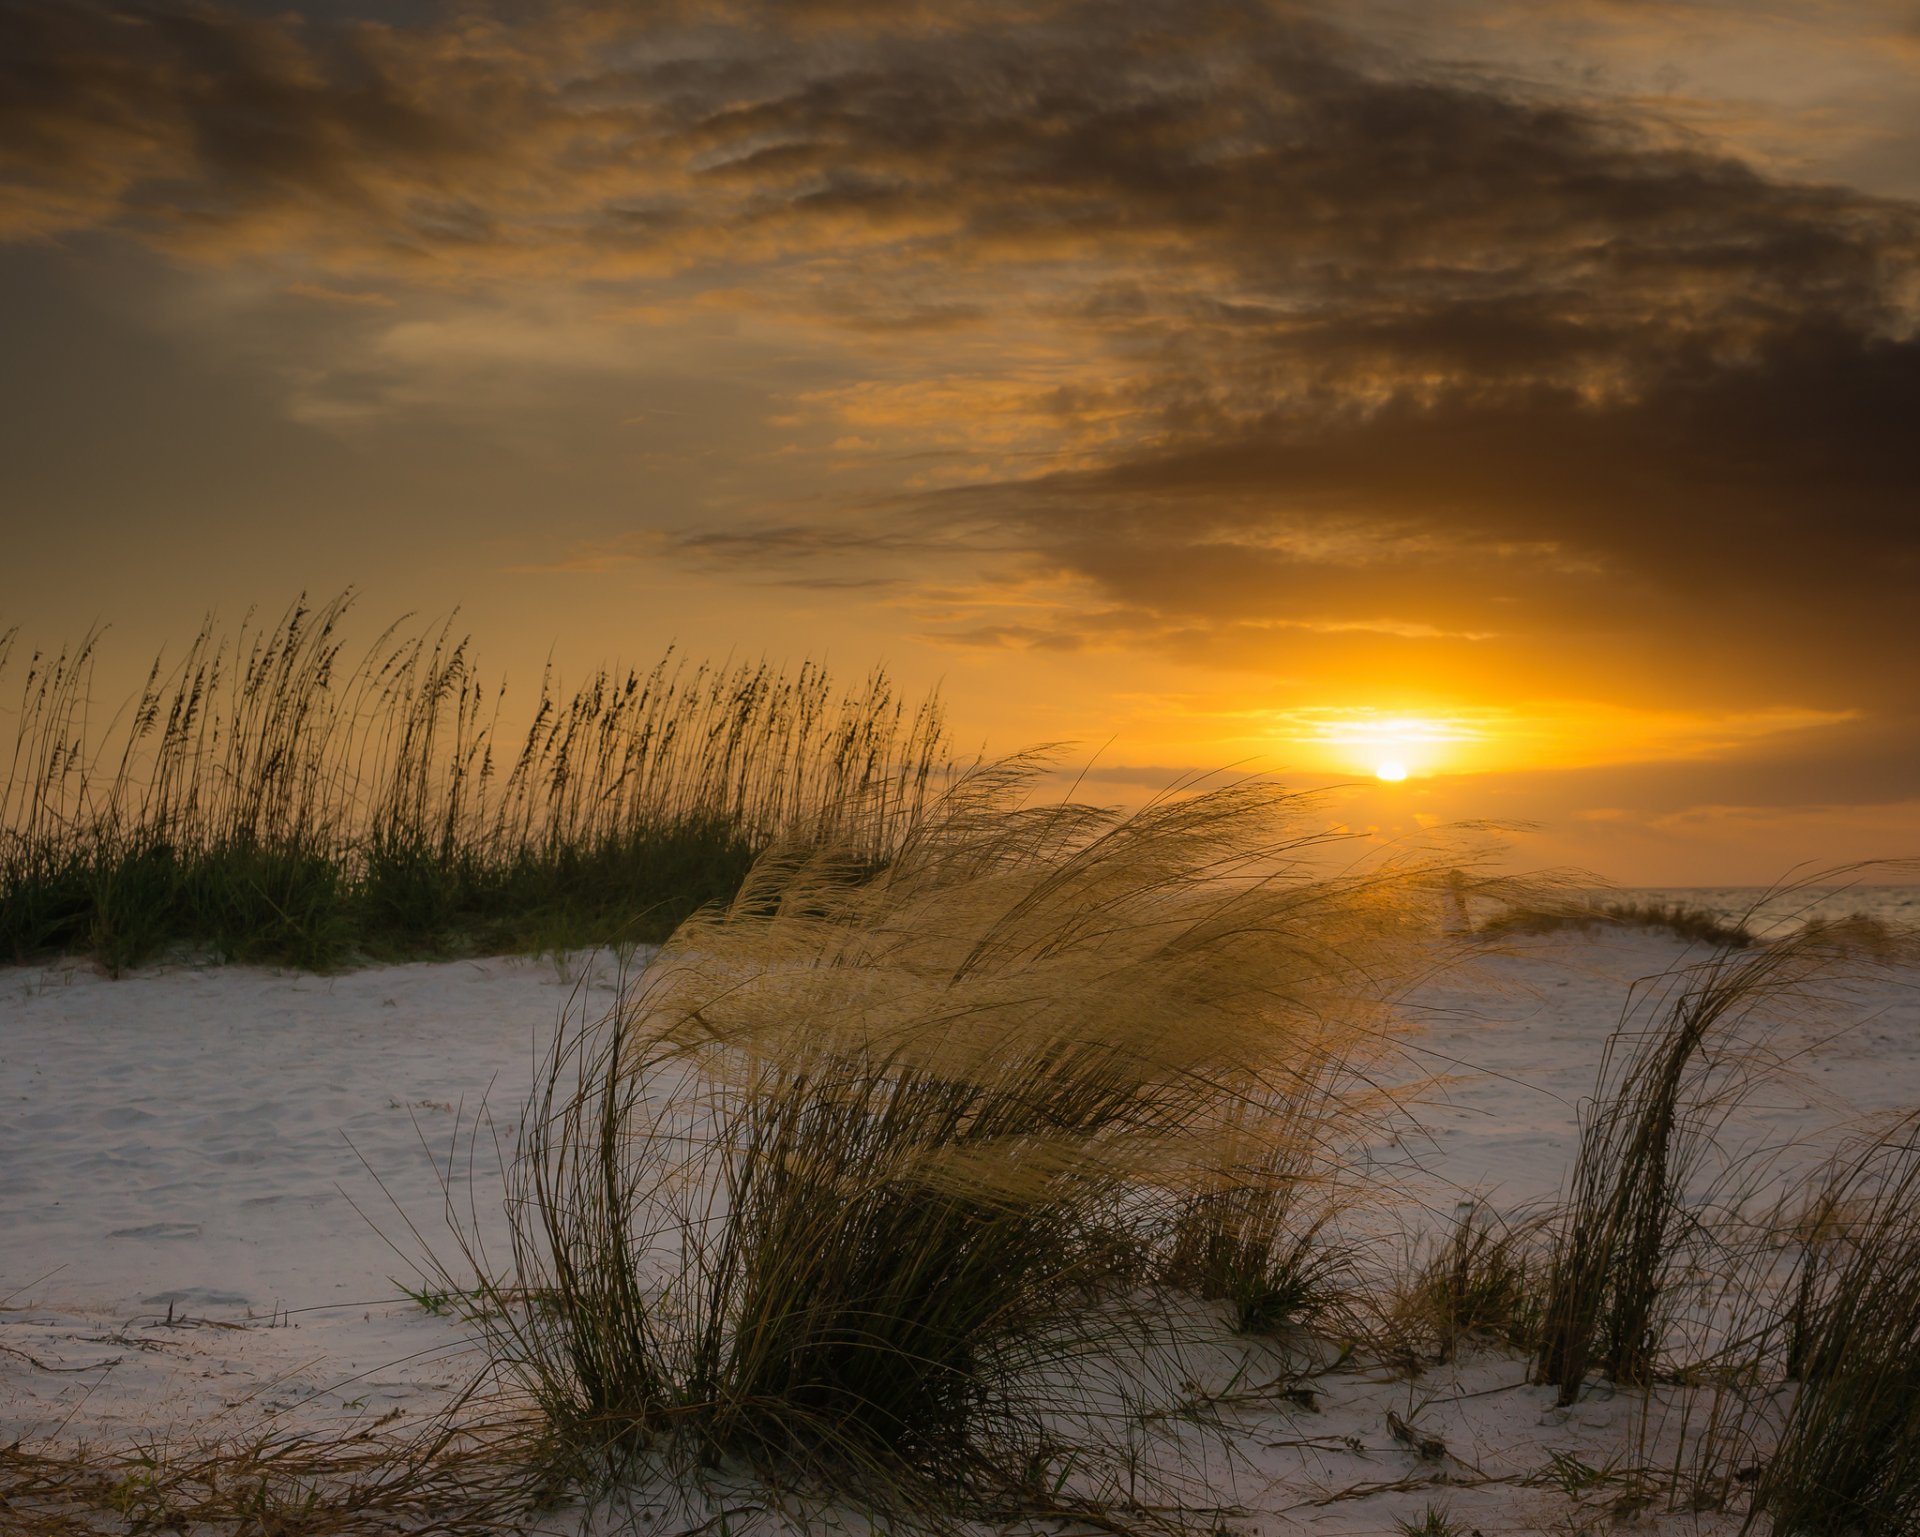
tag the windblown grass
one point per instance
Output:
(1654, 1191)
(1848, 1458)
(1258, 1236)
(1644, 1141)
(1808, 1408)
(269, 797)
(860, 1190)
(1264, 1224)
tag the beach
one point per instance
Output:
(221, 1184)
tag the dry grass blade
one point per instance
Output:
(469, 1481)
(856, 1188)
(1484, 1281)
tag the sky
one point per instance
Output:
(1519, 396)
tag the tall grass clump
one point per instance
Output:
(1848, 1457)
(859, 1188)
(1693, 925)
(273, 796)
(1258, 1226)
(1483, 1282)
(1649, 1161)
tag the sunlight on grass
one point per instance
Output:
(268, 797)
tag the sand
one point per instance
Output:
(208, 1176)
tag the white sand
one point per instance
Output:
(182, 1251)
(181, 1152)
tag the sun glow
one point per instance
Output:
(1389, 747)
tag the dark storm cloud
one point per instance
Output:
(1337, 339)
(1777, 489)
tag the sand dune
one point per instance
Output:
(204, 1171)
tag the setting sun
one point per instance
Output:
(1388, 745)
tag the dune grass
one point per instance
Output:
(1694, 925)
(1864, 936)
(1482, 1282)
(867, 1184)
(890, 1174)
(1262, 1224)
(1848, 1456)
(272, 797)
(894, 1190)
(1646, 1138)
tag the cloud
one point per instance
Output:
(1276, 345)
(359, 298)
(1856, 763)
(800, 556)
(1755, 513)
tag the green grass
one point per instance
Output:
(270, 797)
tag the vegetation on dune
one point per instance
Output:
(1863, 936)
(1848, 1456)
(912, 1184)
(1649, 1158)
(267, 798)
(866, 1183)
(1483, 1282)
(456, 1476)
(941, 1111)
(1771, 917)
(1693, 924)
(1785, 1311)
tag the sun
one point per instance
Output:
(1359, 741)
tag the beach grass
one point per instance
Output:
(1848, 1456)
(1649, 1160)
(943, 1108)
(454, 1476)
(876, 1175)
(271, 796)
(1483, 1282)
(1694, 925)
(907, 1192)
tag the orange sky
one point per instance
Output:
(1520, 394)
